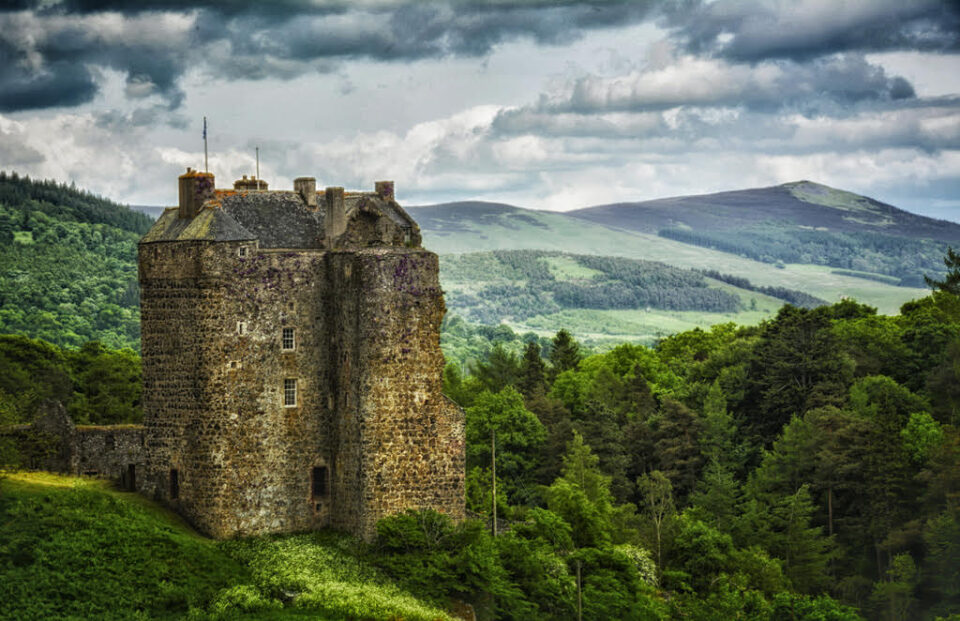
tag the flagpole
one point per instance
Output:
(206, 161)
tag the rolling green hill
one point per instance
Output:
(600, 298)
(800, 222)
(68, 261)
(455, 228)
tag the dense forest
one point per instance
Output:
(902, 258)
(97, 385)
(68, 269)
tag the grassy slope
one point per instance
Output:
(599, 327)
(73, 548)
(554, 231)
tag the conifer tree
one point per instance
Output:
(717, 497)
(677, 447)
(532, 378)
(499, 371)
(951, 282)
(565, 353)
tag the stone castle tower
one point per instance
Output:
(291, 361)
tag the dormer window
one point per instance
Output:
(288, 339)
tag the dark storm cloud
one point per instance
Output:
(753, 30)
(47, 50)
(61, 84)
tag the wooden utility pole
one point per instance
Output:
(493, 453)
(579, 594)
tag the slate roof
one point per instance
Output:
(278, 219)
(208, 225)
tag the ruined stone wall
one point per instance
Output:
(399, 440)
(55, 444)
(244, 461)
(109, 451)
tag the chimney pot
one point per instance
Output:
(335, 221)
(195, 189)
(306, 187)
(384, 189)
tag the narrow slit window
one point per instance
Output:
(241, 327)
(290, 393)
(174, 484)
(318, 482)
(289, 340)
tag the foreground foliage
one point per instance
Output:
(74, 548)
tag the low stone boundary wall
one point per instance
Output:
(55, 444)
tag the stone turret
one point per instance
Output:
(196, 188)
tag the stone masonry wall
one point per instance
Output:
(369, 418)
(170, 299)
(110, 451)
(400, 439)
(244, 461)
(55, 444)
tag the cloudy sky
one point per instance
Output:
(550, 104)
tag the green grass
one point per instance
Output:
(567, 268)
(74, 548)
(598, 327)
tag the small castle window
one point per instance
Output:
(289, 343)
(241, 327)
(318, 482)
(242, 251)
(289, 393)
(174, 484)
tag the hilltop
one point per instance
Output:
(799, 204)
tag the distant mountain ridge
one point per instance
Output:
(804, 204)
(802, 222)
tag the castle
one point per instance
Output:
(291, 366)
(291, 361)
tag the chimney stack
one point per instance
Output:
(335, 222)
(195, 189)
(384, 189)
(306, 187)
